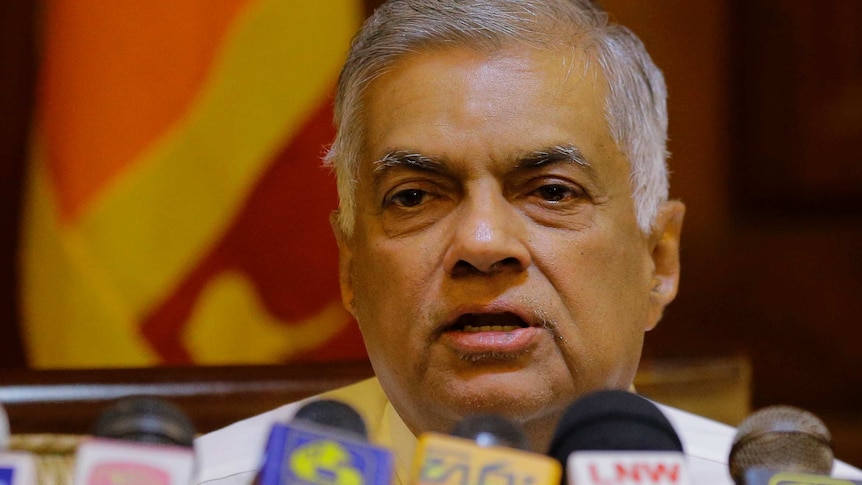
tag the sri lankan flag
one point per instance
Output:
(177, 211)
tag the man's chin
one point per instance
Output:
(496, 394)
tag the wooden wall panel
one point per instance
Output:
(765, 113)
(17, 74)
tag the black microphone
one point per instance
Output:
(609, 437)
(780, 439)
(326, 443)
(333, 414)
(491, 430)
(146, 419)
(139, 439)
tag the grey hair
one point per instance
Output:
(635, 108)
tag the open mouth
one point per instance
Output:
(488, 322)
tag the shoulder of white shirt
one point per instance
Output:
(710, 441)
(237, 449)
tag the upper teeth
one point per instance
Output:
(490, 328)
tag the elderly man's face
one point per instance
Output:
(496, 264)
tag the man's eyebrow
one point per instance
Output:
(404, 158)
(534, 159)
(554, 154)
(557, 154)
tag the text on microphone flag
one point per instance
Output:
(447, 460)
(631, 468)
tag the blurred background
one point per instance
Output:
(163, 203)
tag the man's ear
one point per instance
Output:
(345, 261)
(664, 251)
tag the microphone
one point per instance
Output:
(138, 440)
(491, 430)
(16, 468)
(483, 448)
(780, 443)
(326, 443)
(617, 437)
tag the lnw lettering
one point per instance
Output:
(635, 473)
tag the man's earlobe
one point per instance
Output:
(664, 251)
(345, 260)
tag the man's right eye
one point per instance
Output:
(408, 197)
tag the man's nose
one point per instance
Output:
(489, 237)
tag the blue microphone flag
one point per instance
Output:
(305, 454)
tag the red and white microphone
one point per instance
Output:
(138, 441)
(618, 438)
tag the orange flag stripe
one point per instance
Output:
(115, 76)
(141, 232)
(193, 181)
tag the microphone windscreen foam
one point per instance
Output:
(333, 414)
(613, 420)
(145, 419)
(781, 438)
(491, 430)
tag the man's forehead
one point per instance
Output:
(567, 60)
(501, 79)
(458, 107)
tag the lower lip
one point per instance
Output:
(512, 342)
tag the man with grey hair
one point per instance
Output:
(504, 228)
(503, 224)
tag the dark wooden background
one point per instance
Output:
(766, 130)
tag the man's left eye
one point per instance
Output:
(409, 197)
(555, 192)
